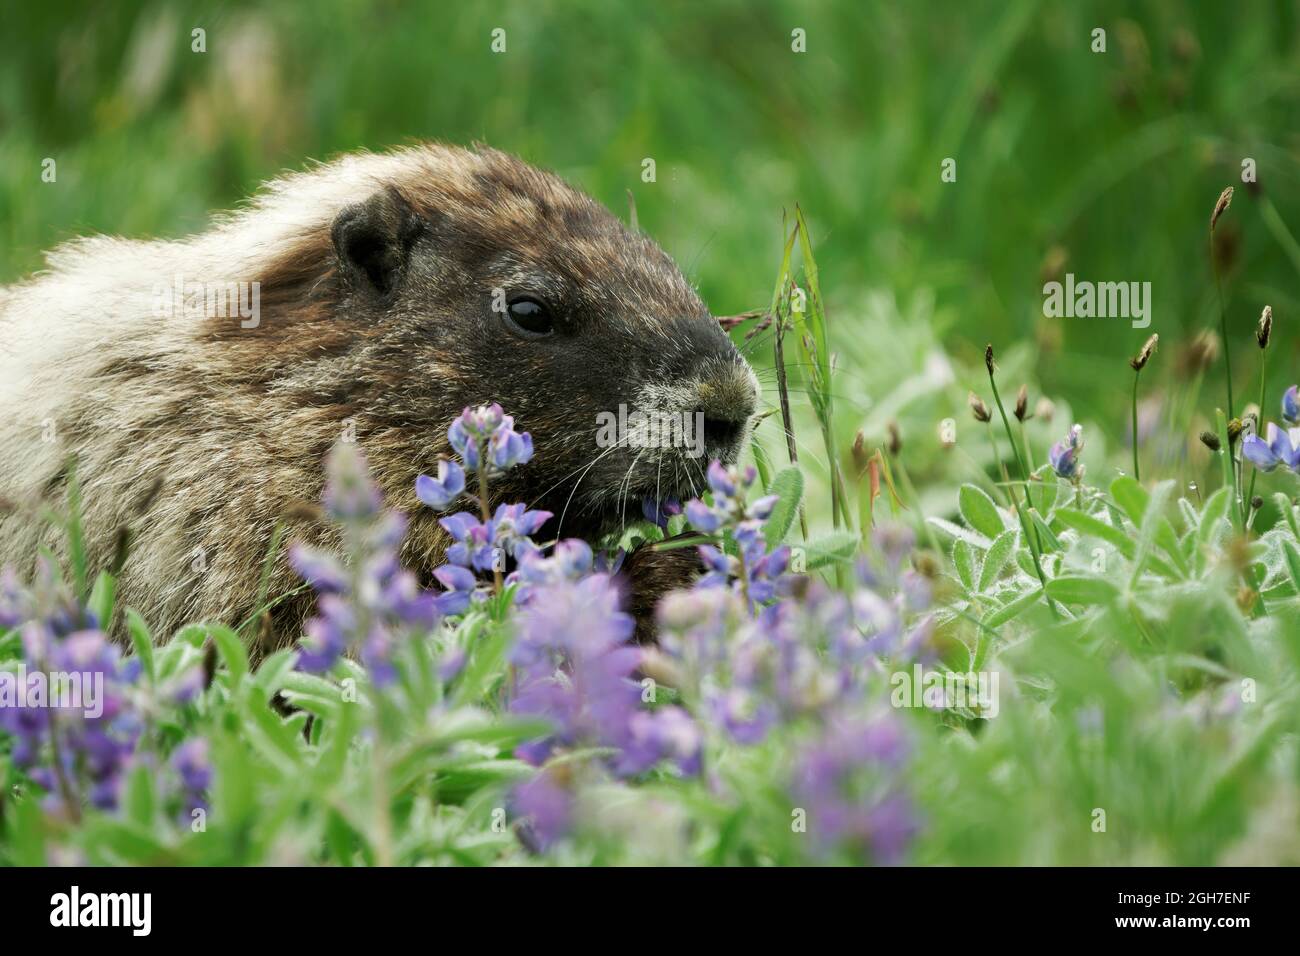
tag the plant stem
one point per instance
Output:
(1223, 325)
(1137, 475)
(787, 424)
(497, 581)
(1031, 537)
(1226, 462)
(1263, 374)
(1011, 439)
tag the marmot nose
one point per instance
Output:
(727, 400)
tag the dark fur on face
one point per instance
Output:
(385, 312)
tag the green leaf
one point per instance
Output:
(1154, 524)
(24, 827)
(1043, 494)
(1215, 510)
(271, 736)
(273, 671)
(101, 599)
(962, 534)
(139, 801)
(231, 649)
(1013, 608)
(998, 554)
(1047, 540)
(836, 546)
(1292, 555)
(486, 664)
(787, 485)
(141, 641)
(1095, 527)
(980, 512)
(1287, 511)
(1131, 497)
(963, 558)
(1078, 589)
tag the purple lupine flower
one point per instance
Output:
(696, 627)
(473, 546)
(366, 601)
(745, 716)
(1282, 447)
(512, 524)
(89, 710)
(580, 678)
(191, 762)
(350, 496)
(658, 512)
(451, 664)
(723, 481)
(193, 765)
(186, 686)
(702, 517)
(507, 448)
(487, 433)
(761, 509)
(483, 546)
(668, 733)
(1064, 455)
(14, 600)
(326, 636)
(577, 677)
(546, 807)
(461, 588)
(324, 572)
(571, 560)
(438, 493)
(847, 782)
(1291, 405)
(753, 570)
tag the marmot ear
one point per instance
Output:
(373, 239)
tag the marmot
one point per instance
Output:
(198, 384)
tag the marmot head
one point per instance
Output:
(458, 278)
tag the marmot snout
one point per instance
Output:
(373, 297)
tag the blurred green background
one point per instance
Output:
(1103, 164)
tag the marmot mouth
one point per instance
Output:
(593, 514)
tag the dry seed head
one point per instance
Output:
(895, 443)
(978, 408)
(1220, 207)
(1211, 441)
(1022, 403)
(1139, 361)
(1246, 597)
(1198, 355)
(988, 357)
(860, 452)
(1265, 327)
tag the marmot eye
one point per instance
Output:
(531, 316)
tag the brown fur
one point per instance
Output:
(236, 421)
